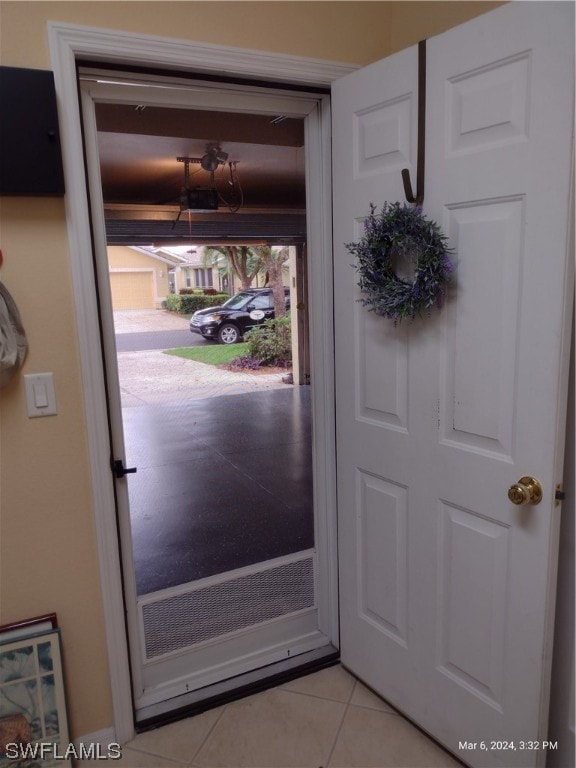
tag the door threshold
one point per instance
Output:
(270, 676)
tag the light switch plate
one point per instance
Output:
(40, 394)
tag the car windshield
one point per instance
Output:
(238, 301)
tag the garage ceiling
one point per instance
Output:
(142, 178)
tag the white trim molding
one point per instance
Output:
(68, 44)
(125, 48)
(103, 739)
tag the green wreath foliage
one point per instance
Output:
(401, 233)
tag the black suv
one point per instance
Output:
(228, 323)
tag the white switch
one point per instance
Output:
(40, 394)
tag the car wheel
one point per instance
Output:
(228, 334)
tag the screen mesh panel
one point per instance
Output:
(177, 622)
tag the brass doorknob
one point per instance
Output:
(526, 491)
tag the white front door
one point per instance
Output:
(446, 586)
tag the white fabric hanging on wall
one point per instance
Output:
(13, 344)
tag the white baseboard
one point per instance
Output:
(104, 737)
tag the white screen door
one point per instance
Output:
(183, 638)
(446, 586)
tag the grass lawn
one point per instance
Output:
(214, 354)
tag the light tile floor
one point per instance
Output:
(325, 720)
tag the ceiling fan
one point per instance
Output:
(207, 198)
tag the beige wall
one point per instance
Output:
(48, 555)
(357, 32)
(414, 21)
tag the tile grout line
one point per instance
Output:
(173, 760)
(208, 735)
(347, 702)
(339, 730)
(312, 695)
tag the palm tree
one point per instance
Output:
(273, 260)
(240, 260)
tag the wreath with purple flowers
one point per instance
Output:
(400, 235)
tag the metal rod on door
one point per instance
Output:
(420, 162)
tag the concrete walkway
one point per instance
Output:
(154, 378)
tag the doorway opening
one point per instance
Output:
(223, 450)
(220, 538)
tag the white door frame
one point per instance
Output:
(68, 43)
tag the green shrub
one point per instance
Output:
(187, 303)
(271, 342)
(173, 302)
(198, 291)
(192, 303)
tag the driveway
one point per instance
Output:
(151, 377)
(148, 320)
(138, 342)
(137, 330)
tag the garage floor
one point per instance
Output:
(222, 483)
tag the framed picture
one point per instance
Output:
(33, 721)
(27, 627)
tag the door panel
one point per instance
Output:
(383, 378)
(383, 555)
(472, 550)
(446, 586)
(478, 410)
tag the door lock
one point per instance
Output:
(526, 491)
